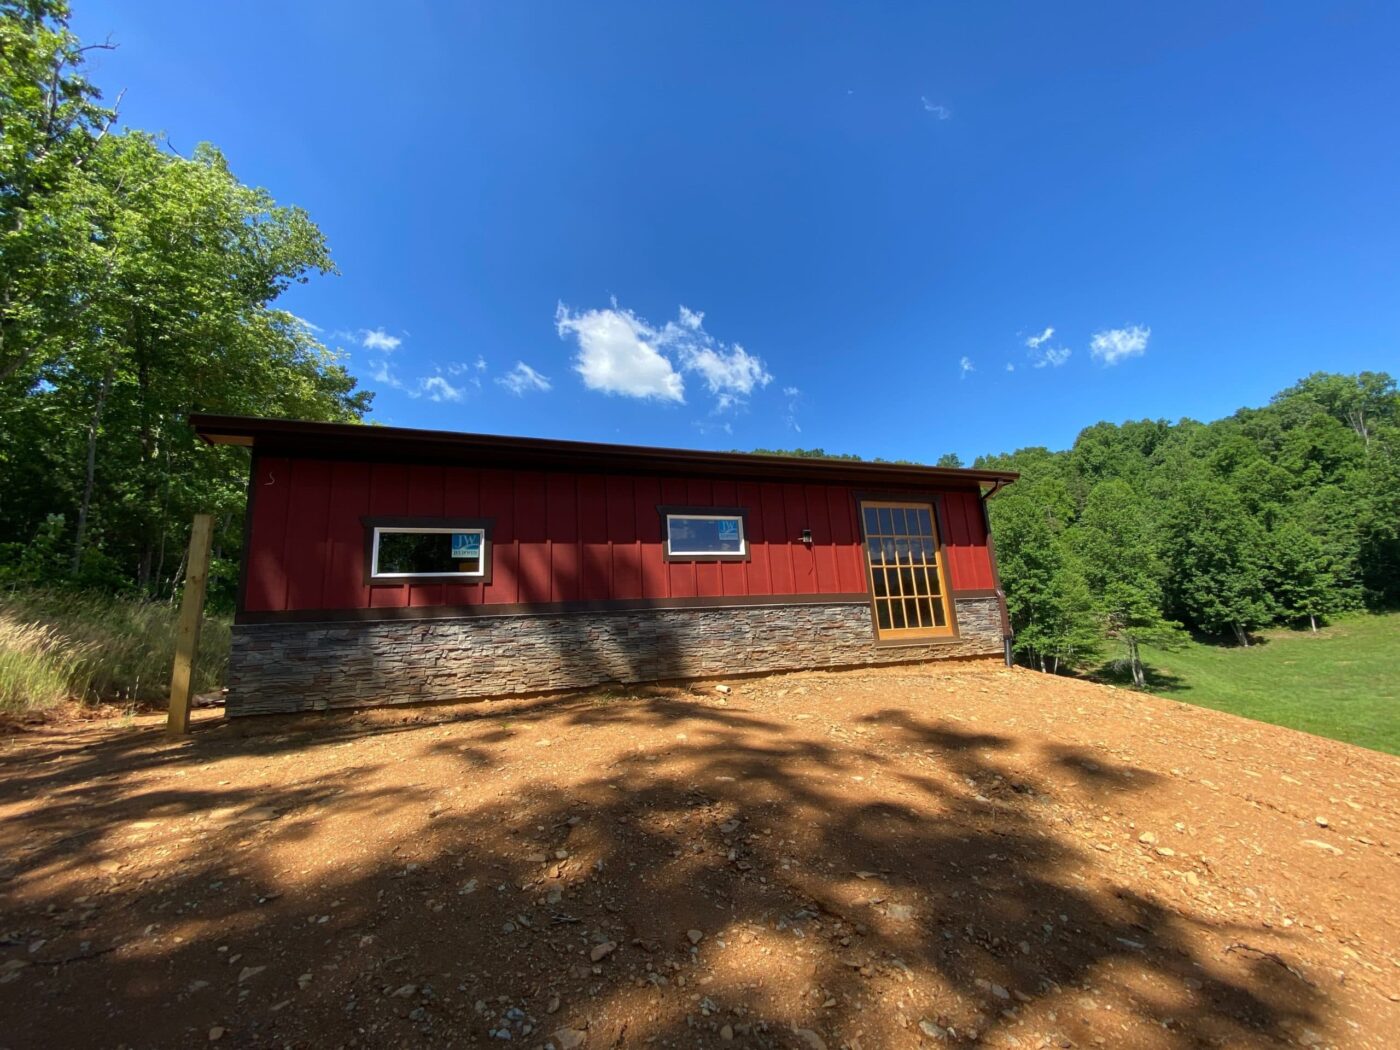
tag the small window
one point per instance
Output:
(705, 534)
(404, 551)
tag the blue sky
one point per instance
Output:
(894, 230)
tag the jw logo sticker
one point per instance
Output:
(465, 545)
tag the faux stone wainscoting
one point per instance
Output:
(290, 667)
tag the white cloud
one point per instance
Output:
(1010, 367)
(1052, 356)
(462, 369)
(964, 367)
(794, 397)
(480, 363)
(436, 388)
(1044, 337)
(522, 379)
(731, 375)
(939, 111)
(1115, 344)
(622, 353)
(617, 354)
(383, 374)
(378, 339)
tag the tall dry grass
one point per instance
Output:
(38, 667)
(57, 645)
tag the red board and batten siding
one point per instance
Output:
(561, 537)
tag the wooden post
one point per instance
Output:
(187, 634)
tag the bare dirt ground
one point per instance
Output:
(905, 857)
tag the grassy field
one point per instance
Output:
(1343, 682)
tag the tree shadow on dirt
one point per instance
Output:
(719, 873)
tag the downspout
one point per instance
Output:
(1007, 636)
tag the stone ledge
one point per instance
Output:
(285, 668)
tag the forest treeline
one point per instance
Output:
(1144, 531)
(1285, 514)
(136, 285)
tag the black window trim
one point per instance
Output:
(441, 524)
(668, 511)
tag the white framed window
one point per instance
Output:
(705, 534)
(405, 550)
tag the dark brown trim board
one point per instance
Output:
(974, 592)
(617, 605)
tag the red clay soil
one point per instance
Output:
(902, 857)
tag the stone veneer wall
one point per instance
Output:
(289, 667)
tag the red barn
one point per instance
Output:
(385, 565)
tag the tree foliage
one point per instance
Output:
(136, 286)
(1288, 513)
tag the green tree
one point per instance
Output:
(1218, 559)
(50, 123)
(1301, 577)
(138, 286)
(1361, 402)
(1113, 539)
(1051, 611)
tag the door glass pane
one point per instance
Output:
(886, 522)
(925, 523)
(877, 581)
(872, 523)
(897, 615)
(882, 614)
(899, 527)
(911, 612)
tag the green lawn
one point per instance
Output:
(1343, 682)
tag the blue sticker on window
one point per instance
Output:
(466, 545)
(729, 529)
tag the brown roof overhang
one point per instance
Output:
(290, 437)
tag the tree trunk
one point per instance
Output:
(179, 574)
(1139, 679)
(1241, 635)
(91, 472)
(1312, 622)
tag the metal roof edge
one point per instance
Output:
(360, 440)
